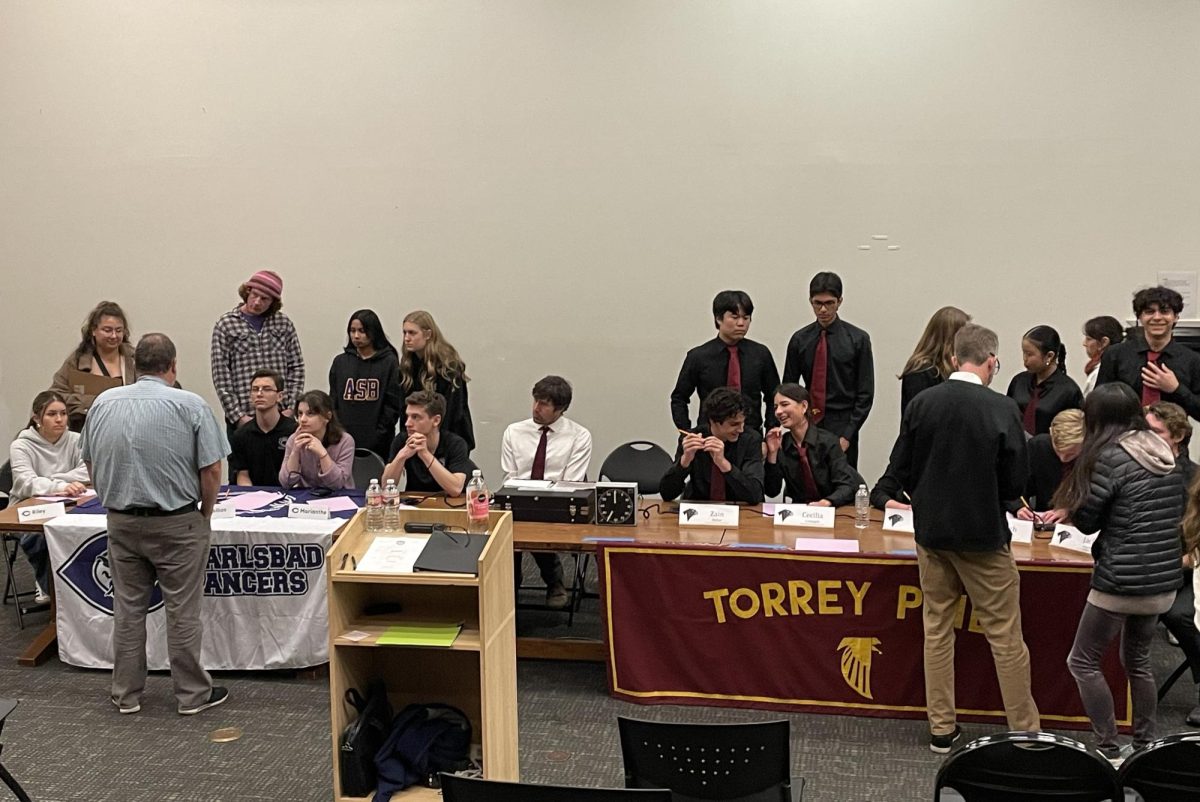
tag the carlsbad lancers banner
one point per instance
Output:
(821, 634)
(264, 594)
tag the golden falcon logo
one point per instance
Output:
(856, 663)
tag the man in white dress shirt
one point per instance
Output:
(547, 446)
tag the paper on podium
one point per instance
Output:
(391, 555)
(420, 634)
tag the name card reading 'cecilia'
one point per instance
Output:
(38, 512)
(307, 512)
(804, 515)
(708, 514)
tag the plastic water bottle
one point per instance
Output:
(862, 507)
(478, 504)
(391, 507)
(374, 507)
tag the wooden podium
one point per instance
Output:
(477, 674)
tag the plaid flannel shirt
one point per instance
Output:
(238, 351)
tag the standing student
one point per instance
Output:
(102, 360)
(961, 454)
(364, 383)
(154, 453)
(1151, 361)
(1051, 458)
(834, 360)
(429, 459)
(728, 360)
(45, 460)
(253, 335)
(931, 360)
(721, 460)
(805, 462)
(258, 447)
(1043, 389)
(1098, 334)
(432, 364)
(320, 453)
(547, 445)
(1171, 423)
(1125, 487)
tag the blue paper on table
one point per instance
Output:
(278, 509)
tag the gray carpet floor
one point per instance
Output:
(67, 742)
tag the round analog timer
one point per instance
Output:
(616, 503)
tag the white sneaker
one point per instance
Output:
(40, 596)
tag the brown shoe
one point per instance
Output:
(557, 597)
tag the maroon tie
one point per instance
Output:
(1030, 418)
(733, 376)
(1151, 395)
(716, 484)
(819, 373)
(539, 457)
(806, 478)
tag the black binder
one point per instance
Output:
(451, 553)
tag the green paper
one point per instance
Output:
(420, 635)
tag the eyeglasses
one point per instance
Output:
(824, 304)
(993, 356)
(262, 390)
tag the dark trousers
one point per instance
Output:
(548, 564)
(34, 546)
(1180, 621)
(1096, 631)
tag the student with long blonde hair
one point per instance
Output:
(930, 363)
(432, 364)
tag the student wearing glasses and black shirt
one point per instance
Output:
(721, 460)
(1150, 361)
(1043, 389)
(834, 360)
(728, 360)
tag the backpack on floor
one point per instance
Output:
(361, 740)
(425, 739)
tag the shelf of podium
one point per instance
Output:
(468, 638)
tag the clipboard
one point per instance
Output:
(86, 383)
(451, 553)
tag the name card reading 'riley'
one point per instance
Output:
(804, 515)
(38, 512)
(310, 513)
(708, 514)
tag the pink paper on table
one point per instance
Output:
(255, 500)
(334, 504)
(825, 544)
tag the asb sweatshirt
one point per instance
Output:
(366, 396)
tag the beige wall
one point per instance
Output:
(566, 184)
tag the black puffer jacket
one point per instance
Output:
(1136, 501)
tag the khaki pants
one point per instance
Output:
(173, 549)
(993, 585)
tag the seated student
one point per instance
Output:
(46, 460)
(722, 459)
(1051, 458)
(805, 461)
(320, 453)
(434, 461)
(547, 445)
(887, 494)
(1043, 389)
(257, 447)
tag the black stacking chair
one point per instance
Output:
(1028, 766)
(1170, 681)
(6, 707)
(1166, 770)
(469, 789)
(367, 466)
(743, 762)
(10, 543)
(637, 461)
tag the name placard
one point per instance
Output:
(898, 521)
(1022, 531)
(804, 515)
(708, 514)
(38, 512)
(224, 510)
(1068, 537)
(307, 512)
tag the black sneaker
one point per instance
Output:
(218, 696)
(941, 744)
(1115, 754)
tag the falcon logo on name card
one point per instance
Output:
(87, 572)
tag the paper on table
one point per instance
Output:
(355, 635)
(392, 555)
(768, 508)
(255, 500)
(825, 544)
(528, 484)
(420, 634)
(334, 504)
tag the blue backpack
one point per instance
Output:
(425, 739)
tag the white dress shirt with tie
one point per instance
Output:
(568, 450)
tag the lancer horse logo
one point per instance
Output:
(856, 663)
(88, 572)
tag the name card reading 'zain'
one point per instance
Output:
(1022, 531)
(898, 521)
(708, 515)
(307, 512)
(804, 515)
(37, 512)
(225, 510)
